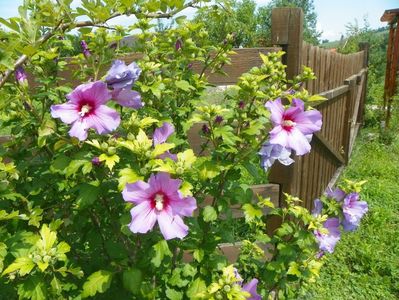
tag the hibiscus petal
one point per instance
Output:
(162, 133)
(309, 121)
(171, 226)
(67, 112)
(251, 287)
(136, 192)
(276, 110)
(97, 92)
(104, 119)
(184, 206)
(128, 98)
(79, 129)
(298, 142)
(143, 218)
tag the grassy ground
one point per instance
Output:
(365, 264)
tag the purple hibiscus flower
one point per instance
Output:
(160, 201)
(121, 76)
(353, 210)
(336, 194)
(161, 134)
(327, 241)
(293, 126)
(270, 152)
(250, 287)
(317, 207)
(128, 98)
(86, 109)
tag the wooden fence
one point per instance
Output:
(340, 78)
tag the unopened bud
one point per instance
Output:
(20, 76)
(85, 49)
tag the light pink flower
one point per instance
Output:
(159, 200)
(161, 134)
(86, 109)
(293, 127)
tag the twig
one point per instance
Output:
(62, 27)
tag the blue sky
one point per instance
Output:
(333, 15)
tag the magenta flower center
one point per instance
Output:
(159, 201)
(85, 109)
(288, 124)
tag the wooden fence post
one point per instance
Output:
(366, 48)
(287, 32)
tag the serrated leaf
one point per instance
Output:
(48, 238)
(132, 279)
(34, 288)
(98, 282)
(251, 213)
(146, 122)
(198, 254)
(88, 194)
(161, 148)
(197, 287)
(173, 294)
(293, 269)
(161, 250)
(184, 85)
(209, 214)
(3, 253)
(110, 161)
(23, 265)
(127, 175)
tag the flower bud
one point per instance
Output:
(205, 129)
(95, 161)
(241, 104)
(218, 119)
(178, 44)
(85, 49)
(20, 76)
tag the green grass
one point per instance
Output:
(365, 264)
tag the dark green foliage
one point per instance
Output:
(250, 26)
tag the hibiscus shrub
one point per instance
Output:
(101, 193)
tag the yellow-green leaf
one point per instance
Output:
(23, 265)
(110, 161)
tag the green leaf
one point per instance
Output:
(209, 170)
(161, 250)
(198, 254)
(110, 161)
(316, 98)
(293, 269)
(23, 265)
(48, 238)
(197, 287)
(97, 282)
(34, 288)
(88, 194)
(146, 122)
(3, 253)
(173, 294)
(251, 213)
(209, 214)
(132, 279)
(127, 175)
(184, 85)
(161, 148)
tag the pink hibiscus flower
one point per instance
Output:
(293, 127)
(86, 109)
(159, 200)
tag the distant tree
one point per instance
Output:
(231, 17)
(252, 26)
